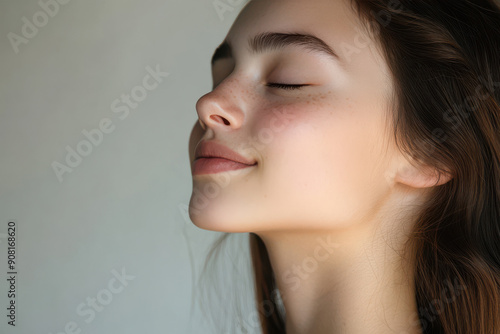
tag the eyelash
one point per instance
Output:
(285, 86)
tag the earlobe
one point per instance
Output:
(421, 176)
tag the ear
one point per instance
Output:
(418, 175)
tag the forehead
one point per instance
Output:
(334, 21)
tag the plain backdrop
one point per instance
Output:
(121, 209)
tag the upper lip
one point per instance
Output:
(211, 149)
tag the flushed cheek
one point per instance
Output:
(267, 126)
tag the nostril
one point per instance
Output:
(214, 117)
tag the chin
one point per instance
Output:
(211, 219)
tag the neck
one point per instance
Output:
(348, 281)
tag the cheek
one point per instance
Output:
(320, 166)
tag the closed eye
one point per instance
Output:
(286, 86)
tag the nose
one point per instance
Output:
(221, 108)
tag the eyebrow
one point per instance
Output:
(276, 41)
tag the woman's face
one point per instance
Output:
(323, 150)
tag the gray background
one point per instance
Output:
(123, 207)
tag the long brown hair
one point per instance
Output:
(444, 60)
(443, 56)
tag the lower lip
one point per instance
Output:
(216, 165)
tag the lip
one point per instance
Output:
(212, 157)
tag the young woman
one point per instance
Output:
(358, 143)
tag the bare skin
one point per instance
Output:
(331, 196)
